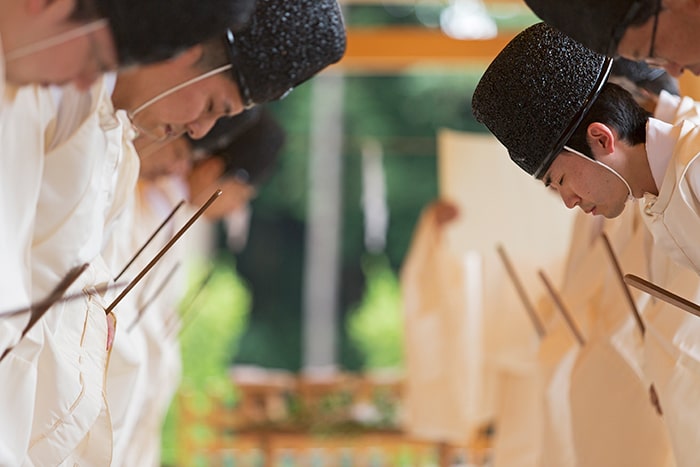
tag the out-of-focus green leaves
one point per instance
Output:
(218, 316)
(376, 325)
(221, 312)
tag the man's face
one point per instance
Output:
(193, 109)
(80, 60)
(676, 45)
(583, 183)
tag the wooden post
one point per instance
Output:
(568, 318)
(444, 454)
(536, 322)
(625, 289)
(322, 245)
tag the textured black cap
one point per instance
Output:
(597, 24)
(536, 92)
(148, 31)
(652, 79)
(249, 144)
(285, 43)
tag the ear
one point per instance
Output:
(601, 139)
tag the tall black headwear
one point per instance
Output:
(536, 92)
(285, 43)
(597, 24)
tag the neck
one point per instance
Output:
(119, 97)
(637, 171)
(131, 88)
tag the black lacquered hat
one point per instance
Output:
(536, 92)
(597, 24)
(148, 31)
(285, 43)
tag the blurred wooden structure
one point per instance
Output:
(392, 49)
(310, 420)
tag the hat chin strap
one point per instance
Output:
(175, 89)
(58, 39)
(630, 197)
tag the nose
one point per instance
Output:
(570, 200)
(200, 127)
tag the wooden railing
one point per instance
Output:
(283, 420)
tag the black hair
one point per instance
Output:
(617, 109)
(214, 54)
(643, 76)
(85, 10)
(249, 144)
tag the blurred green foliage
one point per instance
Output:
(376, 324)
(212, 325)
(507, 16)
(403, 114)
(214, 317)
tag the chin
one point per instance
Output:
(614, 214)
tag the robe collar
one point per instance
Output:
(660, 143)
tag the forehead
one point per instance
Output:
(565, 161)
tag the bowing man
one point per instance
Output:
(597, 148)
(57, 42)
(663, 33)
(594, 144)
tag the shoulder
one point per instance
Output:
(75, 107)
